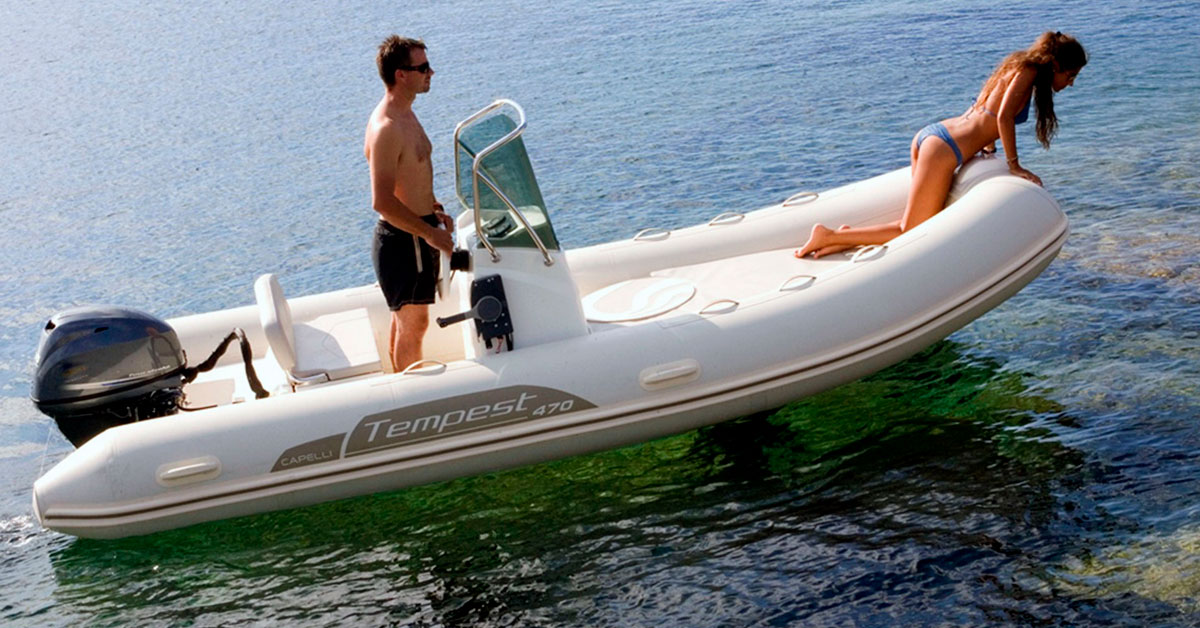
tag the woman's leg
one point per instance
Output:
(932, 174)
(825, 241)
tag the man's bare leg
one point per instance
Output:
(409, 324)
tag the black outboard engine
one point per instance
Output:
(98, 367)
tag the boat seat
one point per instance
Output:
(637, 299)
(328, 347)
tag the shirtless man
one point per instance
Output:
(407, 239)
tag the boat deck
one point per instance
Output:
(684, 291)
(705, 287)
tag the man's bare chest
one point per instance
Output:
(414, 144)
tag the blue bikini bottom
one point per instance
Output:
(937, 129)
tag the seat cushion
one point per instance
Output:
(340, 345)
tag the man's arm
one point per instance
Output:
(382, 161)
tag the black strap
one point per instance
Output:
(190, 373)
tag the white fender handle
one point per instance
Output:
(800, 198)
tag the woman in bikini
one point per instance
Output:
(1049, 65)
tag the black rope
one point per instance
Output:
(190, 373)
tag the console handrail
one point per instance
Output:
(476, 176)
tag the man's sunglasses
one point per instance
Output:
(423, 68)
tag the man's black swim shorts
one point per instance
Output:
(405, 265)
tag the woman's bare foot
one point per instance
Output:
(818, 239)
(818, 242)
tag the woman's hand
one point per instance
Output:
(1017, 170)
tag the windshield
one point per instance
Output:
(509, 169)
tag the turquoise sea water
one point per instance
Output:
(1039, 467)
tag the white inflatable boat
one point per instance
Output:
(562, 352)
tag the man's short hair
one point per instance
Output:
(395, 52)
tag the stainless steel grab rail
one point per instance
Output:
(476, 176)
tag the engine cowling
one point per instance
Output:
(98, 367)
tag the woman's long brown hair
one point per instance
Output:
(1052, 51)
